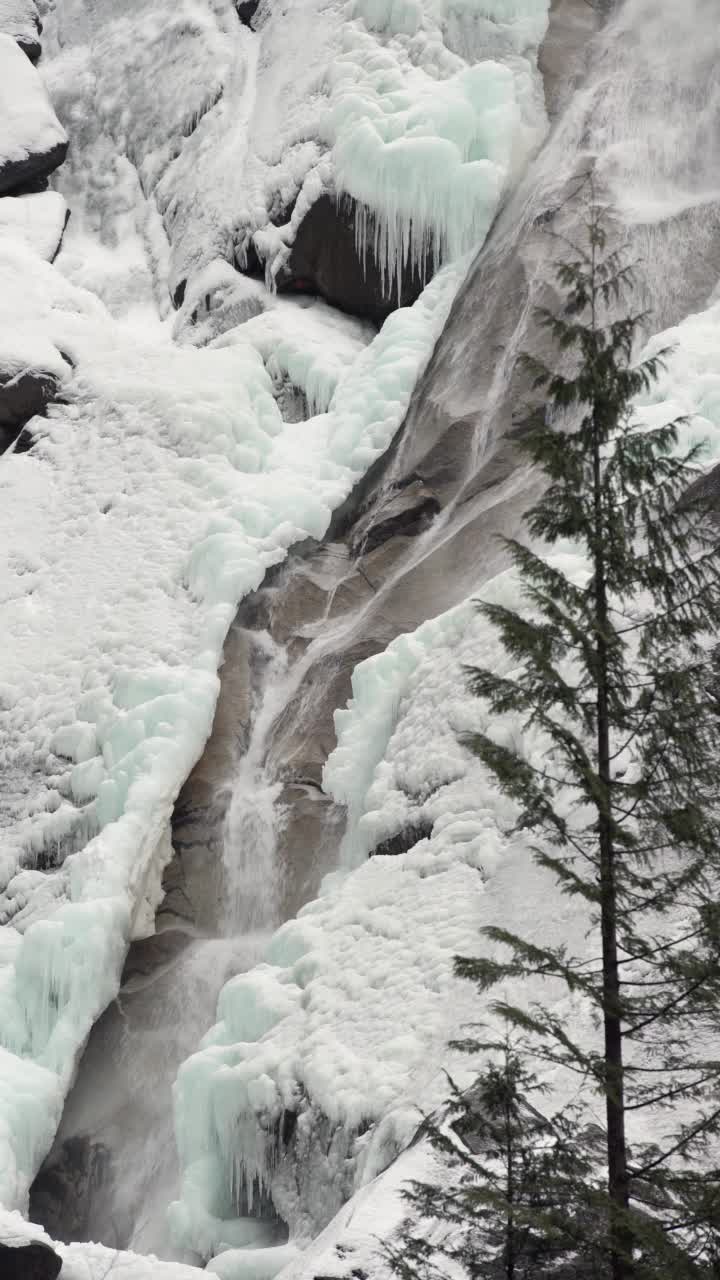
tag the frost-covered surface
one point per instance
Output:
(29, 125)
(163, 489)
(346, 1024)
(37, 221)
(306, 343)
(422, 111)
(153, 502)
(424, 138)
(252, 1264)
(93, 1261)
(35, 304)
(303, 341)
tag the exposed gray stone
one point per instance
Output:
(561, 55)
(405, 511)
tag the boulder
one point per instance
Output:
(246, 10)
(23, 394)
(325, 259)
(33, 142)
(29, 1260)
(22, 397)
(21, 20)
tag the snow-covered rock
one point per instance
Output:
(422, 131)
(28, 1260)
(38, 221)
(39, 1258)
(32, 141)
(33, 299)
(21, 20)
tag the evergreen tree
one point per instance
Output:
(515, 1200)
(616, 671)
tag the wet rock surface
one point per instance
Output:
(63, 1191)
(563, 53)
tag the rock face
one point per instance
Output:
(33, 1261)
(573, 23)
(22, 396)
(325, 259)
(407, 509)
(33, 142)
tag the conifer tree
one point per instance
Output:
(615, 669)
(513, 1202)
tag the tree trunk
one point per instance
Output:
(510, 1196)
(621, 1261)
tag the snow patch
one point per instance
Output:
(37, 221)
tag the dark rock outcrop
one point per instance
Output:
(20, 177)
(22, 396)
(403, 840)
(324, 259)
(29, 1260)
(246, 10)
(62, 1191)
(405, 511)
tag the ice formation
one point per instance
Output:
(159, 498)
(159, 492)
(425, 142)
(166, 484)
(345, 1026)
(436, 106)
(305, 343)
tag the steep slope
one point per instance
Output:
(347, 598)
(421, 116)
(165, 481)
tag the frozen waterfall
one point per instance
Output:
(240, 844)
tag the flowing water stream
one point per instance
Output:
(646, 121)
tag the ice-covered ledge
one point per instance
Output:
(149, 506)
